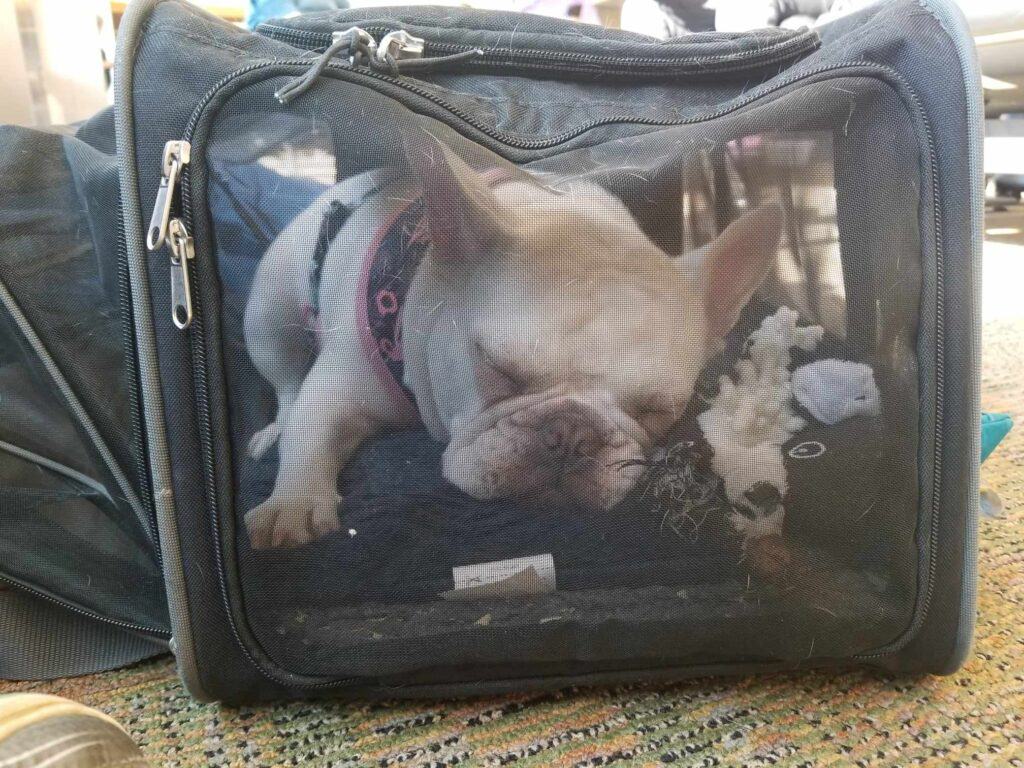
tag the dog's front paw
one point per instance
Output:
(262, 440)
(291, 521)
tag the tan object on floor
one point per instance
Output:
(40, 730)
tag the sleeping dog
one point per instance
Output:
(540, 334)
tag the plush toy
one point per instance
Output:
(751, 418)
(832, 390)
(746, 426)
(742, 434)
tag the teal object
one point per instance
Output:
(994, 427)
(264, 10)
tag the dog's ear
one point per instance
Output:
(736, 263)
(463, 213)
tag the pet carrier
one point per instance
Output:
(441, 351)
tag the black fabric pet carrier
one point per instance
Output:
(433, 351)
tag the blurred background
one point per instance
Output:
(57, 57)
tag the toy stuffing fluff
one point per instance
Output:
(747, 424)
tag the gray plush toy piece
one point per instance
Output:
(833, 390)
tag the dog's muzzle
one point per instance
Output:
(563, 449)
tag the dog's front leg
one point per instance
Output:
(325, 426)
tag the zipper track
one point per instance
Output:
(138, 628)
(940, 386)
(559, 61)
(197, 336)
(132, 380)
(516, 142)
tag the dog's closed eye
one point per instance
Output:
(496, 379)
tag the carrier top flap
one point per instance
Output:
(521, 44)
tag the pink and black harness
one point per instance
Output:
(397, 250)
(388, 269)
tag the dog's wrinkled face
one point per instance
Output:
(583, 338)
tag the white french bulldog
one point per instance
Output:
(544, 337)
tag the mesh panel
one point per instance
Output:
(74, 523)
(646, 397)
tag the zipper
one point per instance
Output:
(165, 230)
(400, 46)
(137, 628)
(559, 62)
(187, 265)
(362, 50)
(176, 156)
(185, 271)
(138, 425)
(940, 395)
(182, 254)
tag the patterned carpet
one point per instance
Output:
(975, 717)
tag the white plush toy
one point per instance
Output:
(750, 419)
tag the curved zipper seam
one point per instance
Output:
(384, 26)
(199, 351)
(939, 399)
(157, 633)
(707, 64)
(508, 139)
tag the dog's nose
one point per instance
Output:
(568, 437)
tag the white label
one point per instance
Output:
(503, 578)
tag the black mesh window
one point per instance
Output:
(646, 396)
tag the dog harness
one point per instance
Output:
(390, 264)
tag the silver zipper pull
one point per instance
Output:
(176, 155)
(182, 252)
(400, 46)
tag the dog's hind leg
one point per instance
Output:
(282, 348)
(261, 440)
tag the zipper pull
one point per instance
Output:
(399, 45)
(182, 252)
(176, 155)
(355, 41)
(398, 52)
